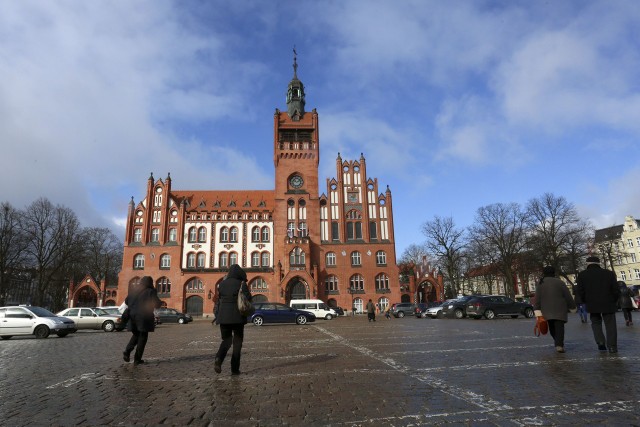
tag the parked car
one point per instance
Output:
(402, 309)
(491, 306)
(116, 312)
(315, 306)
(435, 311)
(420, 310)
(339, 311)
(171, 315)
(91, 318)
(457, 308)
(31, 320)
(273, 312)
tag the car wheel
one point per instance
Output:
(329, 317)
(301, 320)
(6, 337)
(108, 326)
(439, 315)
(258, 321)
(401, 314)
(181, 320)
(489, 314)
(459, 314)
(528, 313)
(41, 332)
(62, 334)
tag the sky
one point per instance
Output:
(455, 105)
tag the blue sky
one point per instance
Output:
(455, 105)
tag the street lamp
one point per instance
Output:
(352, 291)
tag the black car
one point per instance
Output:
(403, 309)
(171, 315)
(339, 310)
(492, 306)
(273, 312)
(457, 308)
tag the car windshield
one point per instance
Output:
(101, 312)
(41, 312)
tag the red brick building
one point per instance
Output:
(294, 241)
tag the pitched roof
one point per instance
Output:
(609, 233)
(227, 200)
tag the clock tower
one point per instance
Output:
(296, 155)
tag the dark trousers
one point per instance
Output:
(627, 314)
(138, 341)
(609, 320)
(231, 335)
(371, 316)
(556, 329)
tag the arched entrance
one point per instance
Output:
(194, 305)
(86, 297)
(259, 298)
(297, 289)
(427, 292)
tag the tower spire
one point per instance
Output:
(295, 92)
(295, 63)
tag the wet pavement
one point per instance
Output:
(347, 371)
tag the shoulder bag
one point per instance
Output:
(244, 305)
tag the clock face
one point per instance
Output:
(296, 181)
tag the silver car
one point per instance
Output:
(91, 318)
(436, 311)
(30, 320)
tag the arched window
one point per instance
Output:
(265, 234)
(223, 260)
(201, 259)
(258, 284)
(381, 258)
(234, 234)
(163, 285)
(194, 285)
(358, 306)
(331, 283)
(355, 258)
(224, 234)
(255, 259)
(354, 225)
(173, 234)
(165, 261)
(255, 234)
(202, 234)
(265, 259)
(331, 259)
(233, 258)
(191, 260)
(296, 257)
(382, 281)
(138, 261)
(192, 234)
(134, 282)
(356, 282)
(155, 235)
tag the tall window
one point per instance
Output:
(137, 235)
(155, 235)
(382, 281)
(265, 234)
(233, 258)
(331, 259)
(255, 259)
(630, 243)
(335, 234)
(291, 229)
(373, 231)
(356, 282)
(195, 285)
(193, 234)
(265, 259)
(173, 234)
(623, 275)
(201, 259)
(636, 271)
(331, 283)
(165, 261)
(234, 234)
(163, 285)
(302, 229)
(381, 258)
(223, 260)
(354, 225)
(355, 258)
(191, 260)
(138, 261)
(255, 234)
(296, 257)
(202, 234)
(224, 234)
(633, 257)
(258, 284)
(638, 241)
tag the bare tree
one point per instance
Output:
(12, 247)
(53, 240)
(102, 254)
(481, 267)
(555, 233)
(414, 254)
(447, 243)
(502, 228)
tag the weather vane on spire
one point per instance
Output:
(295, 63)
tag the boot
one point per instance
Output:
(217, 365)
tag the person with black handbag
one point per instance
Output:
(230, 319)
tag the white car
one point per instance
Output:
(30, 320)
(91, 318)
(436, 311)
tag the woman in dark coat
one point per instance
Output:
(141, 301)
(553, 302)
(625, 303)
(229, 318)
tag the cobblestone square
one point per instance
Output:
(346, 371)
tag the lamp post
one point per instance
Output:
(353, 309)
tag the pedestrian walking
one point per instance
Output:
(626, 303)
(387, 312)
(371, 311)
(553, 301)
(598, 289)
(229, 318)
(582, 307)
(141, 301)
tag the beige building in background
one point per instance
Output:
(619, 250)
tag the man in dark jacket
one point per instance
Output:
(598, 289)
(229, 318)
